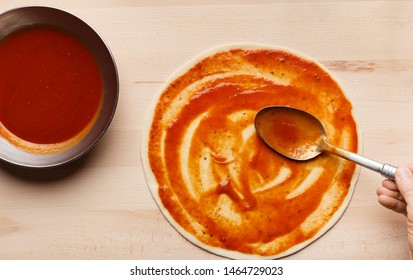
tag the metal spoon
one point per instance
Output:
(299, 135)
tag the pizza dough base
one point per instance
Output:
(154, 187)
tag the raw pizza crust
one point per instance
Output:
(215, 181)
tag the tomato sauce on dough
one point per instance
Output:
(219, 181)
(50, 87)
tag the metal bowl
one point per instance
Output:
(20, 18)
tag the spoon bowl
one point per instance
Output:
(299, 135)
(293, 133)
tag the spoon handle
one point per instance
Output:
(388, 171)
(385, 170)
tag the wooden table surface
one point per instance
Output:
(99, 207)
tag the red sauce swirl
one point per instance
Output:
(216, 178)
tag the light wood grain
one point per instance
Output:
(100, 208)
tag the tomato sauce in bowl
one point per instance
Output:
(59, 87)
(50, 88)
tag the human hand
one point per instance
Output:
(398, 196)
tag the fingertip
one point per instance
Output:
(403, 171)
(382, 199)
(380, 191)
(404, 180)
(409, 167)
